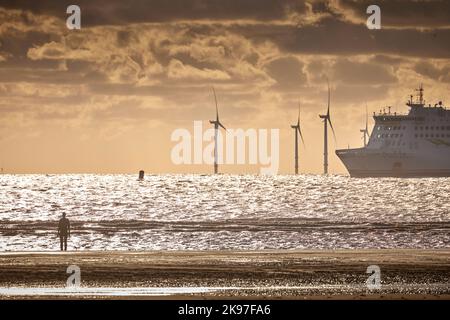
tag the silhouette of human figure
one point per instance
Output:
(63, 231)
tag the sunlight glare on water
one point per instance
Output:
(117, 212)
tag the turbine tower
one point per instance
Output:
(297, 132)
(326, 120)
(217, 124)
(365, 131)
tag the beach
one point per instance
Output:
(262, 274)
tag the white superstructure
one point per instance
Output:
(412, 145)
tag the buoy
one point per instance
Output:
(141, 175)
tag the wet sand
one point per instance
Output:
(268, 274)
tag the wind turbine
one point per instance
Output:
(365, 131)
(297, 132)
(326, 120)
(217, 124)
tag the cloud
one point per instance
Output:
(335, 37)
(130, 68)
(117, 12)
(357, 72)
(287, 72)
(398, 13)
(177, 70)
(433, 71)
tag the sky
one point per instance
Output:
(107, 98)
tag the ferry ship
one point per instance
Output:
(412, 145)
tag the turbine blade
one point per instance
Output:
(328, 109)
(301, 136)
(332, 129)
(298, 118)
(217, 109)
(222, 126)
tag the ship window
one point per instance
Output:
(421, 135)
(426, 136)
(415, 135)
(432, 128)
(448, 128)
(442, 128)
(432, 135)
(426, 128)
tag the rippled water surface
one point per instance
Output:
(117, 212)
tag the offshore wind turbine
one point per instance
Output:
(217, 124)
(365, 131)
(298, 132)
(326, 119)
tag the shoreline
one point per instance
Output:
(263, 274)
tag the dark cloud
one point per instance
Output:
(354, 72)
(388, 60)
(17, 43)
(48, 76)
(287, 72)
(332, 36)
(359, 94)
(428, 69)
(401, 13)
(178, 62)
(118, 12)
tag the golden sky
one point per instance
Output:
(106, 98)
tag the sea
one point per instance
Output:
(223, 212)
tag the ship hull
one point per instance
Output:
(362, 163)
(391, 174)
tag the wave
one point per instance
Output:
(12, 227)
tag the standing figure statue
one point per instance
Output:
(63, 231)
